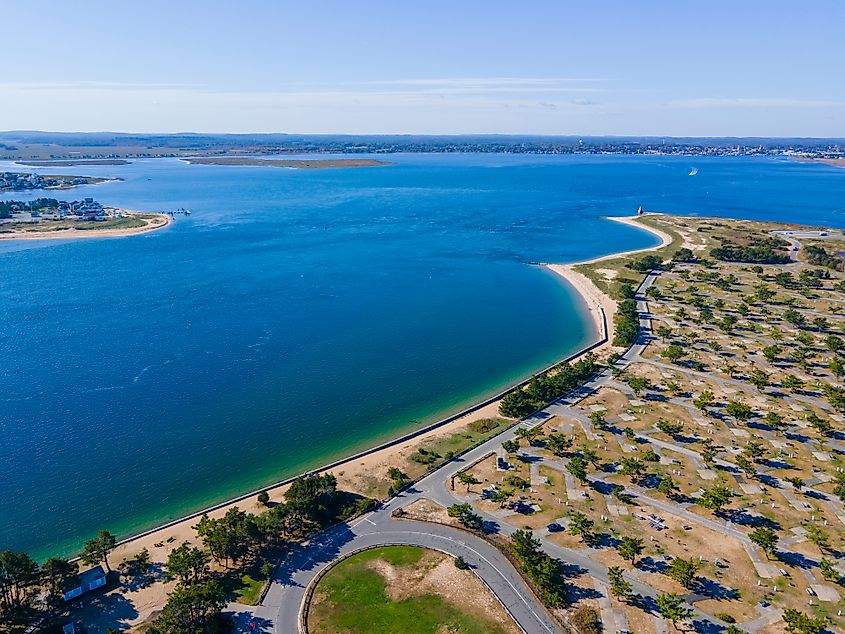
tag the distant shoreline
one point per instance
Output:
(289, 163)
(156, 221)
(834, 162)
(72, 162)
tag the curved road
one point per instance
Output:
(279, 610)
(285, 597)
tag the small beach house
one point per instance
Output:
(88, 580)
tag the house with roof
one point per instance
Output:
(88, 580)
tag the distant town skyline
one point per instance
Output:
(553, 68)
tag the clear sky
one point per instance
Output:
(646, 67)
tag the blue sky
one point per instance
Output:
(711, 68)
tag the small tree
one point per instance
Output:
(468, 479)
(639, 384)
(704, 400)
(500, 496)
(828, 571)
(630, 548)
(191, 608)
(672, 608)
(683, 571)
(632, 468)
(818, 536)
(800, 623)
(511, 446)
(796, 482)
(716, 498)
(834, 343)
(673, 353)
(98, 549)
(57, 574)
(580, 525)
(558, 444)
(663, 331)
(619, 586)
(758, 379)
(765, 538)
(739, 411)
(771, 353)
(670, 428)
(577, 466)
(667, 486)
(187, 565)
(263, 498)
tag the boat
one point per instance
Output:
(693, 171)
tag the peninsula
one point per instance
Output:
(48, 218)
(16, 181)
(686, 470)
(289, 163)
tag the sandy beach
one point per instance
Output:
(156, 222)
(355, 473)
(834, 162)
(597, 300)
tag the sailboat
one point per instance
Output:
(693, 171)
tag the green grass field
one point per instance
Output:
(351, 598)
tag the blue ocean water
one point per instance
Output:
(298, 315)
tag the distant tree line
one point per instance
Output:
(763, 251)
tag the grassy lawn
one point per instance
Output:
(355, 597)
(249, 588)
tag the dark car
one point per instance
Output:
(554, 528)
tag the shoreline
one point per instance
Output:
(833, 162)
(315, 163)
(164, 220)
(367, 460)
(601, 306)
(353, 470)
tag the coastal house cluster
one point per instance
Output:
(14, 181)
(86, 209)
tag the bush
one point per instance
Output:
(484, 425)
(627, 323)
(263, 498)
(645, 263)
(586, 620)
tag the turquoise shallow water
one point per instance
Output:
(298, 315)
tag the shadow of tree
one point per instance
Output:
(319, 550)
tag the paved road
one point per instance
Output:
(287, 592)
(280, 608)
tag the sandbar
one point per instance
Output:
(289, 163)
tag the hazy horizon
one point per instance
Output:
(755, 69)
